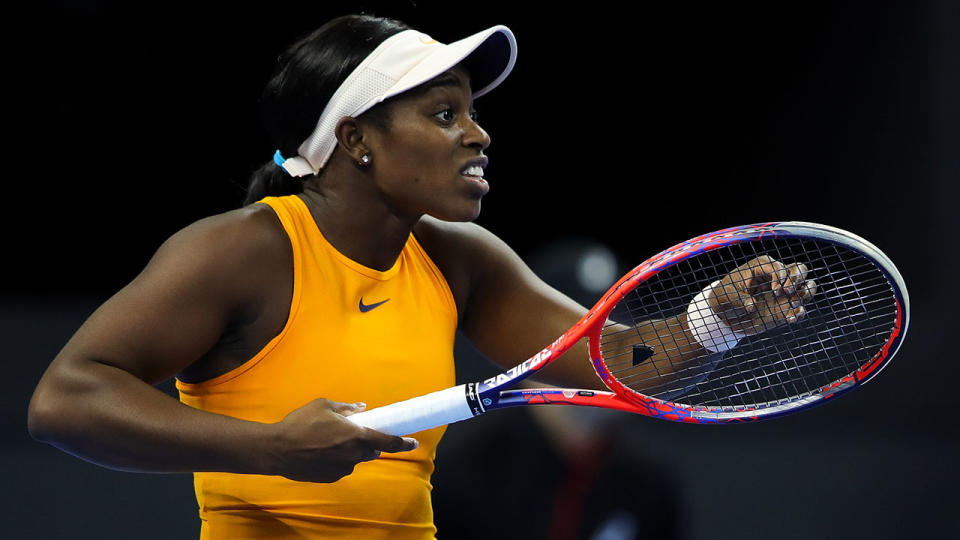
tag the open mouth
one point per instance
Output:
(474, 172)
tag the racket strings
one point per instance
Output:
(613, 348)
(851, 291)
(847, 321)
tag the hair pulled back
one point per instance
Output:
(306, 77)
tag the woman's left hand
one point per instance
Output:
(761, 294)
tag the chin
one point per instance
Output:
(474, 214)
(465, 214)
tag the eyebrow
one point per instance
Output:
(444, 80)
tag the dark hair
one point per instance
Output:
(306, 77)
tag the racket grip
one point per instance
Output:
(419, 413)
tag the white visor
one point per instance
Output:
(404, 61)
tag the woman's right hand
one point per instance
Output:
(316, 443)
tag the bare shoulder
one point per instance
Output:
(457, 239)
(241, 233)
(506, 311)
(234, 255)
(470, 257)
(229, 273)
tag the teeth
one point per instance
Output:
(474, 170)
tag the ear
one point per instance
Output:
(349, 134)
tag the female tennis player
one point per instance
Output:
(341, 283)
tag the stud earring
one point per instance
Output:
(365, 159)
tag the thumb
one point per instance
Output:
(390, 443)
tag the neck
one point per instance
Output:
(355, 218)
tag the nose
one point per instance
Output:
(474, 135)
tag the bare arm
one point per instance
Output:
(506, 310)
(96, 399)
(513, 314)
(510, 314)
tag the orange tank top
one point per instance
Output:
(353, 334)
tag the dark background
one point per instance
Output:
(637, 127)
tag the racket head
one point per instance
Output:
(854, 326)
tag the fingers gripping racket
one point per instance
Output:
(737, 325)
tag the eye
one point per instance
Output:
(474, 115)
(445, 116)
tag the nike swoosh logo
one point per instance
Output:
(365, 308)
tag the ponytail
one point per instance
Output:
(271, 181)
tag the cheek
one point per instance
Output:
(416, 154)
(421, 160)
(406, 157)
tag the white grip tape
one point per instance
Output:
(708, 329)
(419, 413)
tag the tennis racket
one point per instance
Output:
(741, 324)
